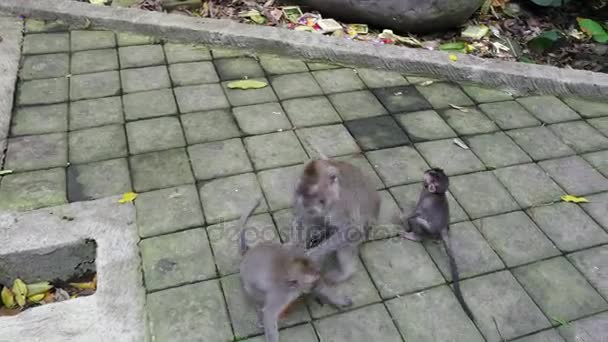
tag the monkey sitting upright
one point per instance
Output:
(274, 276)
(431, 218)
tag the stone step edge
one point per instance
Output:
(517, 78)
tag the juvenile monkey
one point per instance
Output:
(274, 276)
(335, 206)
(430, 219)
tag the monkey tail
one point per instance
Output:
(445, 238)
(243, 247)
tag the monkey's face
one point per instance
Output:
(317, 195)
(304, 275)
(436, 181)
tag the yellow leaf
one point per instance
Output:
(574, 199)
(20, 291)
(98, 2)
(8, 299)
(128, 197)
(36, 298)
(37, 288)
(90, 285)
(453, 57)
(247, 84)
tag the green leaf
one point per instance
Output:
(247, 84)
(594, 29)
(550, 3)
(456, 46)
(561, 321)
(475, 32)
(544, 41)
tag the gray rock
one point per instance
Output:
(399, 15)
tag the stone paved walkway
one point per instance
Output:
(100, 114)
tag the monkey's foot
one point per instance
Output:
(342, 302)
(411, 236)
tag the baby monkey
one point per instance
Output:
(276, 275)
(431, 219)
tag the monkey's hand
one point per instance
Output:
(326, 295)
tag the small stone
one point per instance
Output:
(33, 190)
(162, 169)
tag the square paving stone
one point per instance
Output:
(45, 66)
(338, 80)
(224, 198)
(89, 40)
(149, 104)
(592, 264)
(470, 122)
(46, 43)
(193, 73)
(442, 95)
(321, 66)
(88, 86)
(597, 208)
(376, 78)
(209, 126)
(295, 85)
(386, 227)
(529, 185)
(227, 53)
(471, 251)
(275, 149)
(283, 219)
(35, 25)
(587, 329)
(347, 327)
(279, 185)
(40, 119)
(587, 108)
(483, 95)
(509, 115)
(33, 152)
(388, 260)
(176, 259)
(200, 98)
(376, 133)
(580, 136)
(94, 61)
(499, 296)
(481, 194)
(543, 336)
(243, 314)
(96, 112)
(154, 135)
(143, 79)
(401, 99)
(261, 118)
(219, 159)
(407, 197)
(178, 53)
(168, 210)
(238, 68)
(417, 315)
(98, 179)
(360, 162)
(548, 109)
(568, 226)
(450, 157)
(359, 288)
(420, 79)
(540, 143)
(332, 141)
(398, 165)
(282, 65)
(32, 190)
(516, 238)
(173, 163)
(559, 289)
(50, 90)
(140, 56)
(193, 312)
(99, 143)
(575, 175)
(311, 111)
(357, 105)
(300, 333)
(601, 124)
(241, 97)
(497, 150)
(598, 160)
(225, 238)
(425, 125)
(129, 39)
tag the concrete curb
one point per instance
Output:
(516, 77)
(10, 50)
(116, 311)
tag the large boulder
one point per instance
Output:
(399, 15)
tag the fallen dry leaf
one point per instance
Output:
(460, 143)
(5, 172)
(426, 83)
(20, 292)
(128, 197)
(37, 288)
(453, 57)
(462, 109)
(36, 298)
(574, 199)
(8, 298)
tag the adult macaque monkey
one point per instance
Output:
(335, 206)
(274, 276)
(431, 219)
